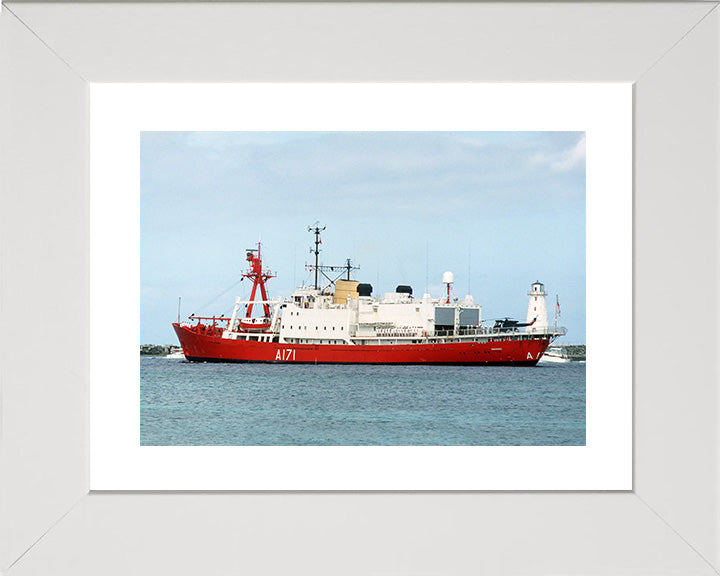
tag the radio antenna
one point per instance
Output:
(323, 268)
(427, 264)
(469, 260)
(316, 229)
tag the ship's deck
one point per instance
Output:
(440, 337)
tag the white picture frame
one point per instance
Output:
(667, 525)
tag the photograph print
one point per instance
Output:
(362, 288)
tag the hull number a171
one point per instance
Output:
(285, 354)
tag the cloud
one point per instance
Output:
(564, 160)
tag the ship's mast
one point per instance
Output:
(321, 268)
(348, 266)
(259, 277)
(315, 228)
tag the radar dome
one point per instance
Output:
(448, 278)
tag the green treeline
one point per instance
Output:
(156, 349)
(575, 351)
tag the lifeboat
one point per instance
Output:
(254, 324)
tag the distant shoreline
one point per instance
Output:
(157, 349)
(576, 352)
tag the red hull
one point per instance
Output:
(211, 347)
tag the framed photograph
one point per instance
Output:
(78, 412)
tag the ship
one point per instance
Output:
(555, 355)
(343, 323)
(176, 354)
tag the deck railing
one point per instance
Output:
(551, 331)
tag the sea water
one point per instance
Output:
(206, 404)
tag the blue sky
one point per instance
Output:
(507, 207)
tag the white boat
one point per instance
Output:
(176, 354)
(555, 354)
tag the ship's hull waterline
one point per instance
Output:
(212, 347)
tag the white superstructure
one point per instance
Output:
(310, 316)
